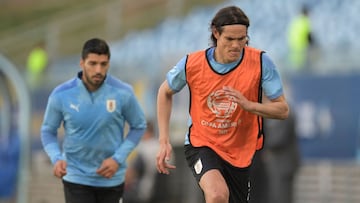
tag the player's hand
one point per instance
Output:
(59, 169)
(163, 159)
(236, 96)
(108, 168)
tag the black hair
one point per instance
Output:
(96, 46)
(230, 15)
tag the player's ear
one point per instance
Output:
(247, 39)
(215, 33)
(82, 63)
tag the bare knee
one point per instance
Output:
(214, 187)
(218, 195)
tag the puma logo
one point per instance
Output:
(75, 107)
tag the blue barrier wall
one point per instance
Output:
(9, 161)
(327, 109)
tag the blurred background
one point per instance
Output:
(40, 45)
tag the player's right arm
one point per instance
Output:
(50, 125)
(175, 81)
(164, 105)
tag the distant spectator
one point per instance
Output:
(36, 64)
(300, 41)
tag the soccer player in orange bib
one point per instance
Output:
(232, 88)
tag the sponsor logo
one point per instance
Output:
(75, 107)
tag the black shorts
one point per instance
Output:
(77, 193)
(202, 159)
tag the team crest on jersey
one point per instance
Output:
(110, 105)
(220, 104)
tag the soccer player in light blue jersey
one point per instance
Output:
(93, 108)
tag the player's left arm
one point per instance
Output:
(275, 108)
(274, 104)
(135, 117)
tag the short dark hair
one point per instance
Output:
(96, 46)
(230, 15)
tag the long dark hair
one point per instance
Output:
(230, 15)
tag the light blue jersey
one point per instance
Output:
(94, 125)
(270, 81)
